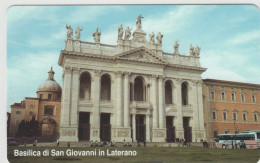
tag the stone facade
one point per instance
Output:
(146, 85)
(225, 101)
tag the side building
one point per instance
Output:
(230, 107)
(45, 108)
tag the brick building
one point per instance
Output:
(230, 107)
(45, 108)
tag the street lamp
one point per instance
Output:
(235, 132)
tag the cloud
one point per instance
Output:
(50, 41)
(246, 37)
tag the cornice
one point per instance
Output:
(64, 53)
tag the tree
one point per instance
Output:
(28, 128)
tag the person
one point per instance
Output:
(159, 38)
(58, 142)
(96, 36)
(139, 22)
(69, 32)
(127, 33)
(151, 38)
(77, 32)
(120, 32)
(176, 46)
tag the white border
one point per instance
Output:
(5, 4)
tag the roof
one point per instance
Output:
(231, 83)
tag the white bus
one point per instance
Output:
(248, 140)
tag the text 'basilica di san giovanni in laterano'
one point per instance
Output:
(130, 91)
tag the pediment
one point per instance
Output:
(141, 54)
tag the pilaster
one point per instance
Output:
(154, 101)
(126, 100)
(119, 98)
(95, 126)
(179, 126)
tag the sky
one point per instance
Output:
(229, 37)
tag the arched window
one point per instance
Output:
(105, 87)
(168, 92)
(85, 86)
(184, 93)
(139, 92)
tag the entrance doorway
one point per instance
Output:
(187, 129)
(170, 129)
(105, 127)
(84, 126)
(140, 128)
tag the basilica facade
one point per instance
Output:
(132, 91)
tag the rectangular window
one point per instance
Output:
(49, 110)
(224, 115)
(49, 96)
(18, 112)
(40, 96)
(32, 105)
(212, 94)
(255, 117)
(223, 96)
(253, 98)
(215, 133)
(242, 97)
(226, 131)
(244, 117)
(234, 116)
(233, 97)
(214, 115)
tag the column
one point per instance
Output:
(66, 93)
(161, 103)
(134, 127)
(126, 100)
(75, 97)
(154, 101)
(195, 106)
(119, 98)
(95, 90)
(173, 94)
(179, 126)
(200, 105)
(132, 90)
(147, 119)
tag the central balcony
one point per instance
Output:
(140, 104)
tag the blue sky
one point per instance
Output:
(229, 37)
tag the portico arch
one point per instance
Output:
(85, 86)
(105, 87)
(168, 92)
(184, 93)
(139, 89)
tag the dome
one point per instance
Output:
(50, 84)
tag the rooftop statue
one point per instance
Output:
(139, 22)
(176, 47)
(96, 36)
(159, 38)
(77, 32)
(127, 33)
(120, 32)
(152, 38)
(197, 51)
(191, 50)
(69, 32)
